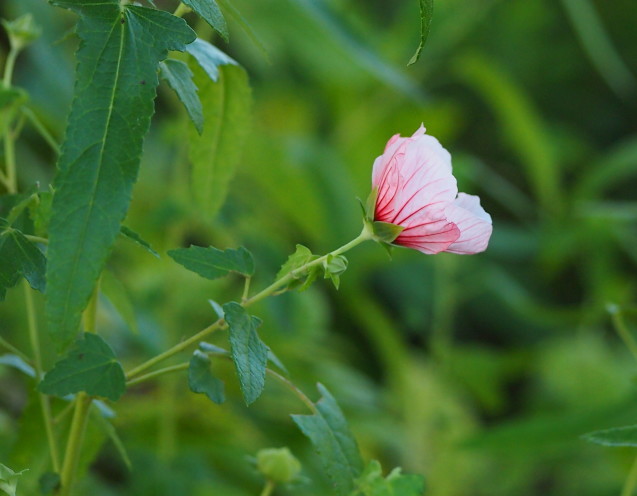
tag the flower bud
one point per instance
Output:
(21, 31)
(278, 464)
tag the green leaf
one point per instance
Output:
(619, 436)
(201, 380)
(301, 279)
(209, 57)
(329, 433)
(117, 294)
(136, 238)
(212, 263)
(386, 232)
(426, 13)
(210, 12)
(372, 483)
(19, 257)
(117, 60)
(9, 479)
(49, 483)
(247, 29)
(249, 353)
(89, 366)
(179, 78)
(216, 153)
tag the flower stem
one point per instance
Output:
(74, 443)
(45, 404)
(268, 488)
(270, 290)
(157, 373)
(9, 65)
(290, 385)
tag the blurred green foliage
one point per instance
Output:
(480, 372)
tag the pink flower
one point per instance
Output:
(417, 191)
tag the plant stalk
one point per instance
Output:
(74, 443)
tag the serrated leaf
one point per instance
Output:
(216, 153)
(201, 380)
(19, 257)
(329, 433)
(117, 60)
(618, 436)
(179, 78)
(249, 353)
(247, 29)
(18, 363)
(209, 57)
(212, 263)
(89, 366)
(298, 259)
(372, 483)
(136, 238)
(9, 479)
(210, 12)
(426, 13)
(117, 294)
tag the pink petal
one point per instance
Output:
(430, 236)
(472, 221)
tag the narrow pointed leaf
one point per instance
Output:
(210, 12)
(179, 78)
(619, 436)
(120, 49)
(426, 13)
(136, 238)
(201, 380)
(18, 363)
(212, 263)
(90, 366)
(249, 353)
(329, 433)
(216, 153)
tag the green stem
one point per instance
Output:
(290, 385)
(157, 373)
(631, 481)
(181, 10)
(14, 350)
(45, 403)
(622, 329)
(74, 443)
(9, 157)
(175, 349)
(41, 129)
(37, 239)
(363, 236)
(246, 290)
(8, 68)
(268, 488)
(271, 289)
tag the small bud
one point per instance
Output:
(278, 464)
(22, 31)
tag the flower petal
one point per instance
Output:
(430, 236)
(472, 221)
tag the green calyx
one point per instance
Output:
(381, 232)
(22, 31)
(278, 465)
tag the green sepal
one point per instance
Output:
(9, 479)
(22, 31)
(370, 204)
(385, 231)
(333, 267)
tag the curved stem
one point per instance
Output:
(9, 65)
(45, 403)
(622, 329)
(175, 349)
(270, 290)
(290, 385)
(14, 350)
(157, 373)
